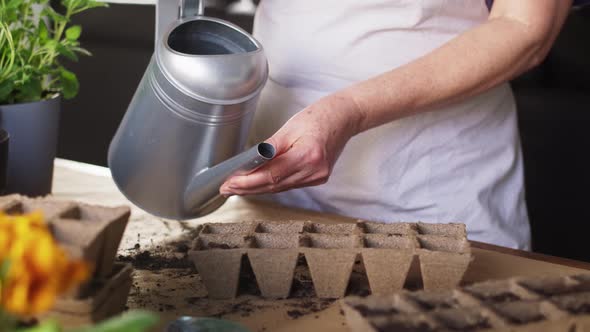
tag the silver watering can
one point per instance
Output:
(188, 121)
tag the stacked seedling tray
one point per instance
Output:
(273, 248)
(91, 233)
(518, 305)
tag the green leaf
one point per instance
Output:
(55, 16)
(51, 45)
(30, 90)
(132, 321)
(42, 31)
(87, 4)
(82, 51)
(69, 83)
(73, 32)
(65, 51)
(6, 88)
(97, 4)
(13, 4)
(47, 326)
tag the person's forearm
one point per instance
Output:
(471, 63)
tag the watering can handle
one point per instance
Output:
(189, 8)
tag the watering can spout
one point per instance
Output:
(202, 192)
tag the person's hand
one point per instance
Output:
(307, 147)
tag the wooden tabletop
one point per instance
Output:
(532, 255)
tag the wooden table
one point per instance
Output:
(170, 286)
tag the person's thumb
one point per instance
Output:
(280, 142)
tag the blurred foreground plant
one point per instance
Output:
(34, 270)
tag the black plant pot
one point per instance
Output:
(4, 138)
(33, 129)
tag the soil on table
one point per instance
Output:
(167, 282)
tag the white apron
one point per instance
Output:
(458, 164)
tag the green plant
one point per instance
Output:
(33, 39)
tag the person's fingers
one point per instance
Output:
(281, 145)
(282, 141)
(304, 177)
(271, 177)
(298, 163)
(297, 180)
(268, 175)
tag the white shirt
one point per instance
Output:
(458, 164)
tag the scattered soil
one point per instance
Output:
(368, 312)
(215, 245)
(302, 286)
(308, 306)
(170, 284)
(243, 309)
(294, 314)
(359, 283)
(145, 260)
(169, 256)
(183, 248)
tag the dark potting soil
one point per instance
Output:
(146, 261)
(294, 314)
(369, 312)
(308, 306)
(170, 256)
(170, 260)
(215, 245)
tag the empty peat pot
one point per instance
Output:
(187, 124)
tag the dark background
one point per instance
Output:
(553, 107)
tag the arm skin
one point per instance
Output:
(516, 37)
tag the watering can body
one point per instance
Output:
(186, 127)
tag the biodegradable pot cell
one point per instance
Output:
(273, 271)
(33, 130)
(91, 232)
(81, 242)
(106, 298)
(442, 270)
(388, 228)
(499, 291)
(273, 262)
(387, 261)
(481, 307)
(443, 260)
(219, 270)
(386, 270)
(330, 260)
(330, 270)
(113, 221)
(281, 227)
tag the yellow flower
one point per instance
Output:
(39, 270)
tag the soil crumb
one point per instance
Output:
(294, 314)
(157, 259)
